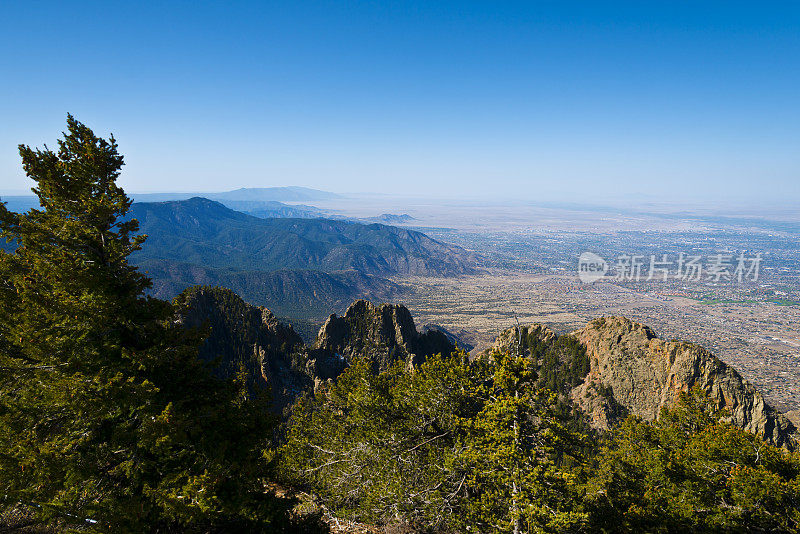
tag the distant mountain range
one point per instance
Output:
(204, 232)
(20, 203)
(264, 202)
(279, 255)
(300, 268)
(248, 194)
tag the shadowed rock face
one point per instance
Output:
(274, 355)
(460, 338)
(241, 334)
(644, 373)
(385, 333)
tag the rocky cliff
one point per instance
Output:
(522, 338)
(243, 335)
(461, 338)
(622, 368)
(643, 373)
(274, 355)
(610, 368)
(385, 333)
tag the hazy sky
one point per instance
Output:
(524, 100)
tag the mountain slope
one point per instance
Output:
(204, 232)
(289, 293)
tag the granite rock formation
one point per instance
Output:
(240, 334)
(273, 354)
(632, 371)
(385, 333)
(643, 374)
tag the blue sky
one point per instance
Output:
(538, 100)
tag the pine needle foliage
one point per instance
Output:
(692, 471)
(108, 420)
(436, 447)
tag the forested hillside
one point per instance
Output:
(109, 420)
(301, 268)
(288, 293)
(205, 232)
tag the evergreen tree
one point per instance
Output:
(517, 479)
(108, 420)
(450, 445)
(386, 447)
(691, 471)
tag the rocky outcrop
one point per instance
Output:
(611, 368)
(461, 338)
(385, 333)
(560, 361)
(240, 334)
(273, 354)
(633, 371)
(522, 338)
(620, 367)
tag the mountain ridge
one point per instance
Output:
(630, 371)
(205, 232)
(295, 293)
